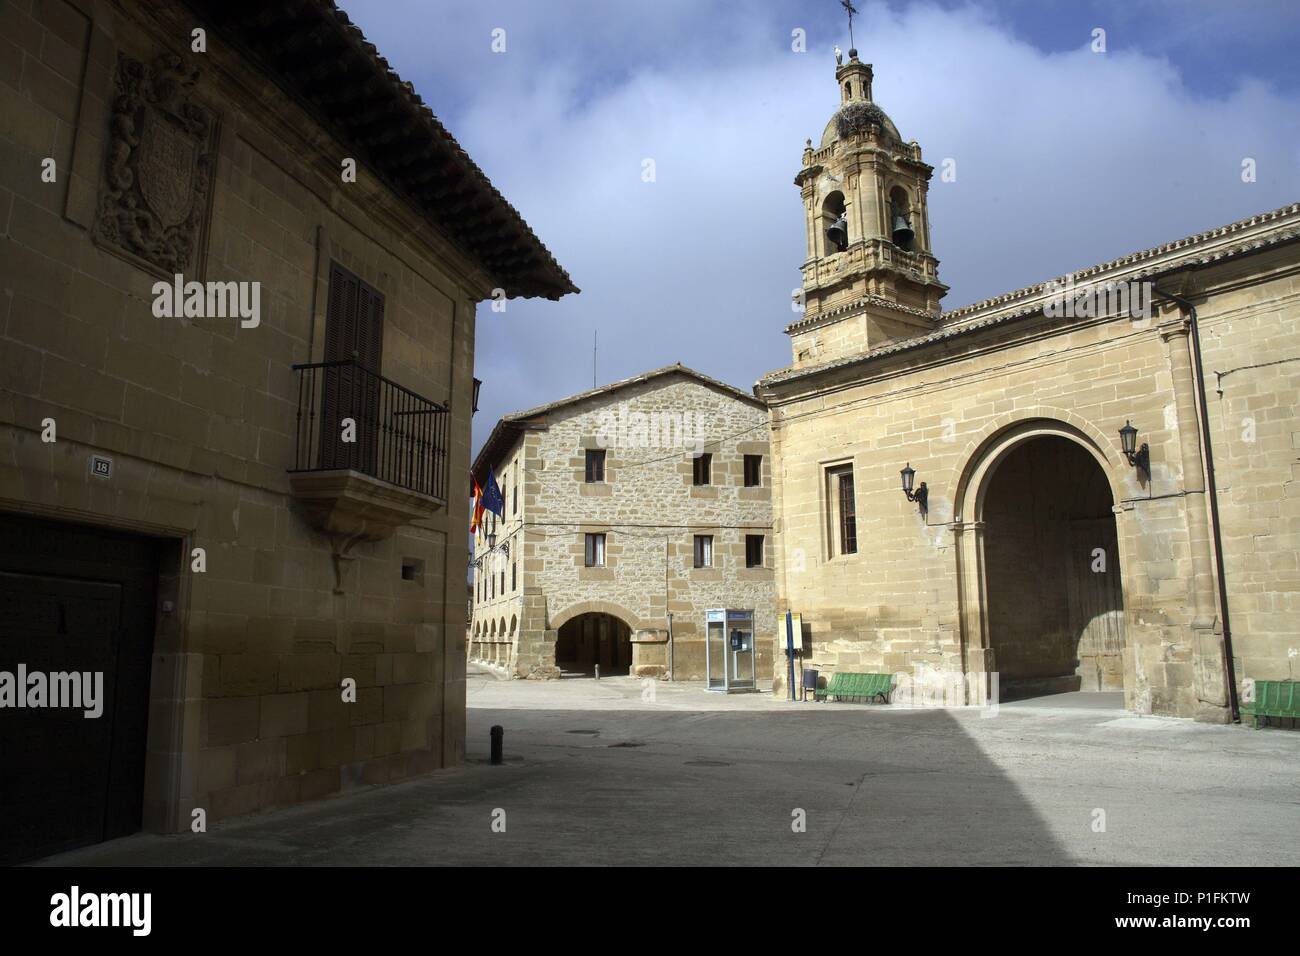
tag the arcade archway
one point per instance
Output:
(591, 639)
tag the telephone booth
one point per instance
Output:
(729, 651)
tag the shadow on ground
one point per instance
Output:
(637, 787)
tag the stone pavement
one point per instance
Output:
(595, 774)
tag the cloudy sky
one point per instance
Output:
(1064, 157)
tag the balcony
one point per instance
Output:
(369, 454)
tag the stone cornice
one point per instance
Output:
(854, 306)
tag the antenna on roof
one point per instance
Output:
(593, 358)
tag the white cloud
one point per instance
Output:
(1063, 160)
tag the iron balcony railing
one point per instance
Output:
(396, 435)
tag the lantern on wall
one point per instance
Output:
(921, 495)
(1139, 458)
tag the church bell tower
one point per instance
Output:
(870, 276)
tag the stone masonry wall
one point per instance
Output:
(650, 512)
(199, 416)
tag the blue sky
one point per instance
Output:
(1065, 157)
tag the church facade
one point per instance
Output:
(1089, 484)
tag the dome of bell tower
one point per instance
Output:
(854, 117)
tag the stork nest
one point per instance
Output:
(856, 117)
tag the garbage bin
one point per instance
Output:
(809, 681)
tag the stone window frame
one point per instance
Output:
(598, 457)
(595, 543)
(600, 572)
(757, 461)
(832, 471)
(762, 550)
(702, 465)
(702, 557)
(594, 489)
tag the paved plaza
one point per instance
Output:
(624, 772)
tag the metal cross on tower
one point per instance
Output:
(851, 10)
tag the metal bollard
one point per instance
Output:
(597, 672)
(498, 734)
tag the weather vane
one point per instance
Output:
(851, 10)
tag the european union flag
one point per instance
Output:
(493, 500)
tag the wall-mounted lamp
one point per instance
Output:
(1140, 458)
(478, 383)
(492, 540)
(922, 495)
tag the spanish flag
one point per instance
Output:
(478, 507)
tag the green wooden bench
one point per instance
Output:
(1273, 698)
(846, 686)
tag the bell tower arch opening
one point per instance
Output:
(834, 224)
(900, 219)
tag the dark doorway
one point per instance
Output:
(1055, 598)
(74, 599)
(591, 639)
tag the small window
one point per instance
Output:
(595, 465)
(704, 550)
(514, 498)
(413, 570)
(847, 512)
(703, 469)
(514, 580)
(595, 552)
(753, 550)
(494, 587)
(753, 471)
(503, 580)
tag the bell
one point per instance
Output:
(903, 234)
(839, 233)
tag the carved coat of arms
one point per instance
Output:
(162, 153)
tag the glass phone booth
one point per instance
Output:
(729, 651)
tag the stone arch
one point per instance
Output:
(1005, 432)
(899, 203)
(494, 629)
(971, 480)
(559, 619)
(832, 207)
(593, 637)
(514, 624)
(503, 625)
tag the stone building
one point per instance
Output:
(232, 505)
(1032, 544)
(625, 505)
